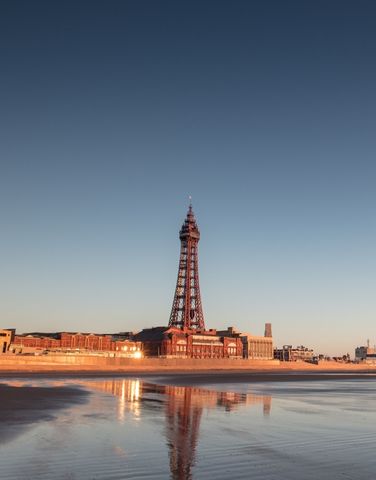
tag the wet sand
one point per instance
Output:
(189, 378)
(22, 406)
(194, 379)
(270, 432)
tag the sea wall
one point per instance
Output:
(98, 364)
(91, 362)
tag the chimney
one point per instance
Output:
(268, 330)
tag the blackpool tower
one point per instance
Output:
(186, 310)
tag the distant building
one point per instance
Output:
(254, 347)
(289, 354)
(365, 354)
(5, 339)
(173, 342)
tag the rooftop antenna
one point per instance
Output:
(190, 210)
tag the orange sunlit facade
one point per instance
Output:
(77, 342)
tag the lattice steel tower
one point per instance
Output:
(186, 310)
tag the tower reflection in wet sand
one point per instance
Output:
(183, 409)
(183, 415)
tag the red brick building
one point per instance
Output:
(77, 342)
(174, 342)
(86, 341)
(33, 341)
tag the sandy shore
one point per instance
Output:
(186, 377)
(196, 379)
(23, 406)
(288, 368)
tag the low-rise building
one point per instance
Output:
(5, 340)
(172, 342)
(289, 354)
(77, 342)
(35, 341)
(254, 347)
(365, 354)
(85, 341)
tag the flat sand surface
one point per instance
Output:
(250, 377)
(22, 406)
(282, 430)
(185, 377)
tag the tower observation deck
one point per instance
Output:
(186, 312)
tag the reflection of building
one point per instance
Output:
(5, 340)
(182, 429)
(289, 354)
(365, 354)
(183, 407)
(128, 392)
(183, 416)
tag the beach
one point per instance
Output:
(24, 406)
(193, 425)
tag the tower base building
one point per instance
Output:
(172, 342)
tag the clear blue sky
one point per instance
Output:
(112, 113)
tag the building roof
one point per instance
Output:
(151, 334)
(40, 335)
(156, 333)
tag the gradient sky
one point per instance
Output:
(113, 112)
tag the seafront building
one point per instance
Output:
(76, 342)
(172, 342)
(365, 354)
(254, 347)
(6, 337)
(289, 354)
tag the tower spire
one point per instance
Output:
(186, 312)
